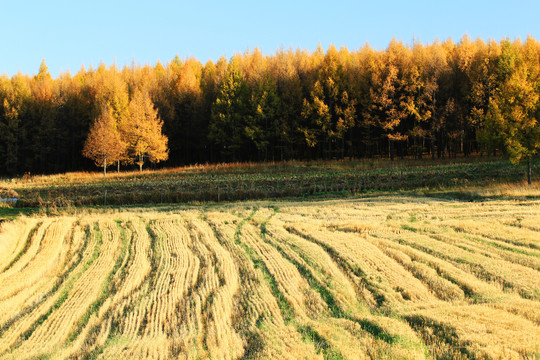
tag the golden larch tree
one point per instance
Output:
(514, 111)
(142, 131)
(104, 144)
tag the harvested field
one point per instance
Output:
(372, 277)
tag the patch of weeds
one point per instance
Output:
(409, 228)
(442, 341)
(9, 213)
(321, 344)
(254, 345)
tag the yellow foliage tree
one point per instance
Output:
(104, 144)
(514, 111)
(142, 131)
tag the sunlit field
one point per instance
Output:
(370, 277)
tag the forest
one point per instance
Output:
(443, 99)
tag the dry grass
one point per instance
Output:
(513, 190)
(373, 277)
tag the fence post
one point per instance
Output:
(105, 198)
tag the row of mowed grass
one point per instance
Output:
(233, 182)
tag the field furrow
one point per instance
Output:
(221, 339)
(361, 332)
(73, 313)
(17, 239)
(17, 275)
(31, 297)
(23, 324)
(507, 273)
(367, 278)
(382, 273)
(262, 315)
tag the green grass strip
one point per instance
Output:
(308, 334)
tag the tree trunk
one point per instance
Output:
(105, 167)
(391, 150)
(529, 170)
(329, 149)
(118, 166)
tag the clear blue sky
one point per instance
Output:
(69, 34)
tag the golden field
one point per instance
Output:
(387, 276)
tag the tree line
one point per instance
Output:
(440, 99)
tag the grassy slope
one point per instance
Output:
(231, 182)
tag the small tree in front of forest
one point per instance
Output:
(141, 130)
(104, 144)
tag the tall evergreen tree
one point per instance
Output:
(229, 113)
(14, 94)
(40, 139)
(262, 127)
